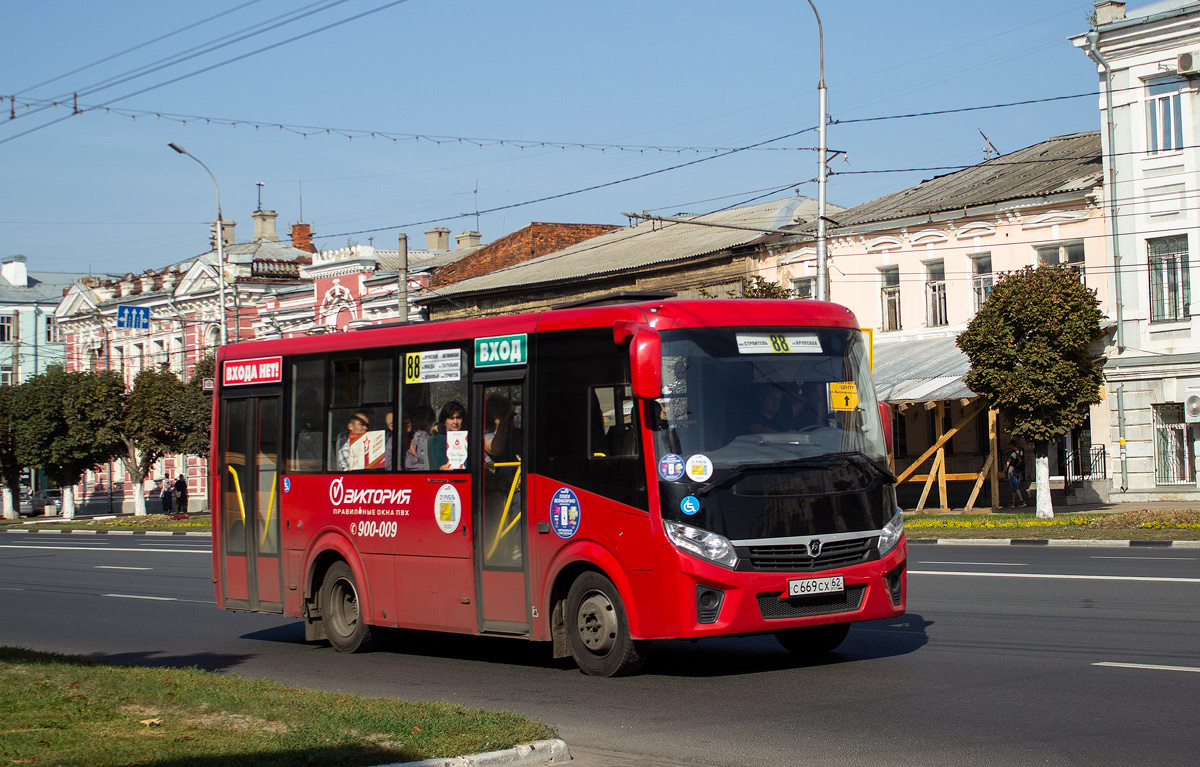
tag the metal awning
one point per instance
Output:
(924, 370)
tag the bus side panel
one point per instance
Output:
(434, 593)
(293, 576)
(613, 537)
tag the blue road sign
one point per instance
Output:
(135, 317)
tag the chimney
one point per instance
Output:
(437, 238)
(1108, 11)
(302, 238)
(264, 226)
(227, 230)
(13, 270)
(467, 240)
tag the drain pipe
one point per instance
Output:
(1110, 182)
(1121, 427)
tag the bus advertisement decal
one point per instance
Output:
(699, 468)
(670, 467)
(447, 508)
(565, 512)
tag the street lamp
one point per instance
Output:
(822, 172)
(220, 236)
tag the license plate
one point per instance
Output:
(807, 587)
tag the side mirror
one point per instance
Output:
(645, 364)
(885, 415)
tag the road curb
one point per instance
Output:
(1075, 542)
(539, 752)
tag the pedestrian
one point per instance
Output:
(166, 494)
(181, 493)
(1016, 472)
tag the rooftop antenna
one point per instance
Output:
(260, 186)
(989, 151)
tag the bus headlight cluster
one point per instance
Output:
(892, 532)
(701, 543)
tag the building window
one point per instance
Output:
(1169, 289)
(802, 287)
(6, 378)
(8, 324)
(981, 278)
(890, 297)
(53, 336)
(1068, 254)
(1164, 113)
(1174, 461)
(935, 294)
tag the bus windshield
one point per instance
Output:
(776, 432)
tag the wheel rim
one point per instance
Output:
(597, 623)
(343, 607)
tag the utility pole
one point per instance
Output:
(822, 169)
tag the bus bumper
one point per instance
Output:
(710, 601)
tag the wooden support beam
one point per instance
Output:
(938, 430)
(967, 415)
(929, 482)
(988, 465)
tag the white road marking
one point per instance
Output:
(1052, 576)
(161, 599)
(993, 564)
(119, 567)
(104, 548)
(1149, 667)
(1155, 559)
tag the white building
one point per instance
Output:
(1148, 60)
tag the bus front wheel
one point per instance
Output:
(813, 640)
(598, 631)
(341, 612)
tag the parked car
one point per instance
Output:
(44, 498)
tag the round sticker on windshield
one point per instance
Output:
(670, 467)
(564, 512)
(447, 508)
(699, 468)
(689, 505)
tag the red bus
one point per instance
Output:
(595, 477)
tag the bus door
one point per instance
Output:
(249, 503)
(501, 543)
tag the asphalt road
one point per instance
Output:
(1009, 656)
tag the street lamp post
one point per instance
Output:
(220, 237)
(822, 171)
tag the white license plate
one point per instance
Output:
(807, 587)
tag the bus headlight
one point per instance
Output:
(701, 543)
(891, 533)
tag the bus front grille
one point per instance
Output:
(795, 558)
(773, 607)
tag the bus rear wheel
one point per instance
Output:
(341, 612)
(598, 631)
(813, 640)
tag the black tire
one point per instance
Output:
(341, 612)
(598, 631)
(813, 640)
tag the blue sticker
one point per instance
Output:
(689, 505)
(670, 467)
(287, 484)
(564, 512)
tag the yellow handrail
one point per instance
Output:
(262, 541)
(502, 529)
(237, 486)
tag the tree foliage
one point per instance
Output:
(148, 426)
(10, 467)
(192, 413)
(66, 423)
(1028, 348)
(755, 286)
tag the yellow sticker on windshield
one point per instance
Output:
(843, 395)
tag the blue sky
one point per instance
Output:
(649, 83)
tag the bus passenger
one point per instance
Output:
(359, 424)
(452, 418)
(767, 416)
(421, 422)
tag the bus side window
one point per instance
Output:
(307, 421)
(427, 413)
(361, 396)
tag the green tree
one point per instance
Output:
(1028, 348)
(193, 411)
(66, 423)
(10, 467)
(755, 286)
(148, 427)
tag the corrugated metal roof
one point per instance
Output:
(1062, 164)
(644, 244)
(924, 370)
(43, 286)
